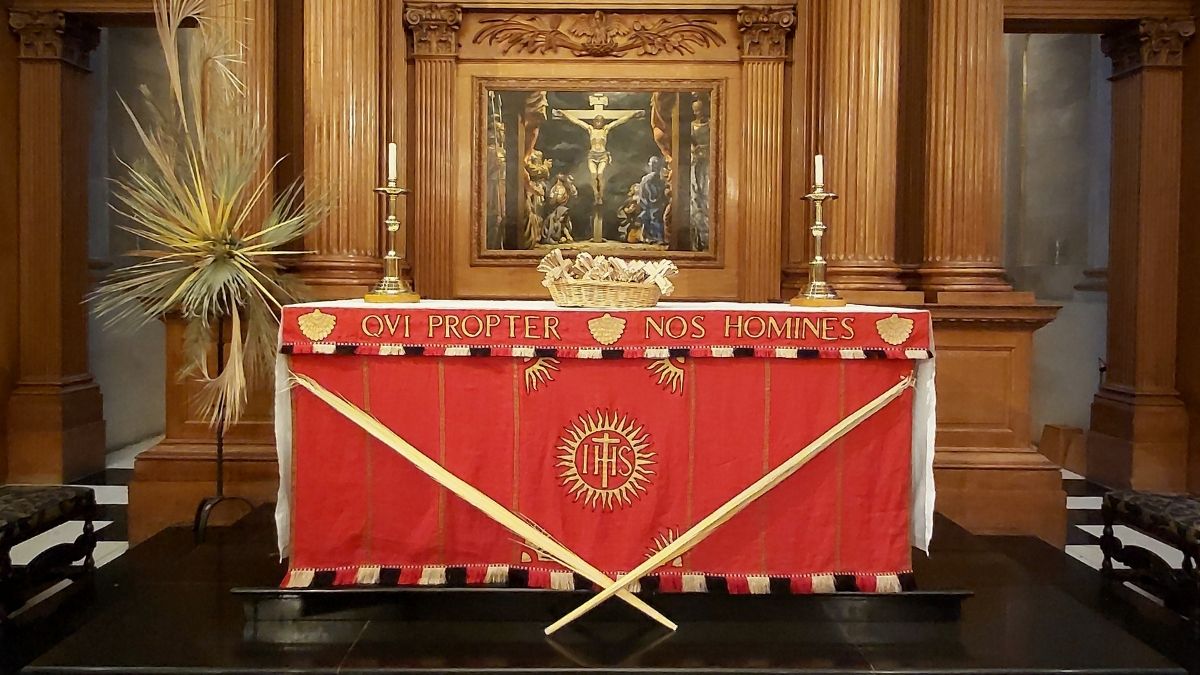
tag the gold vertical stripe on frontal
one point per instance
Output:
(368, 528)
(516, 470)
(442, 457)
(839, 453)
(766, 457)
(295, 457)
(691, 474)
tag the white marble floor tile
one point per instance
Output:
(123, 458)
(108, 551)
(1088, 554)
(63, 534)
(1128, 535)
(1144, 593)
(1084, 502)
(111, 494)
(40, 597)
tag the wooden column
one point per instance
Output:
(1139, 427)
(764, 50)
(960, 197)
(434, 49)
(860, 109)
(56, 422)
(990, 479)
(342, 142)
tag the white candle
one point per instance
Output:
(392, 161)
(820, 176)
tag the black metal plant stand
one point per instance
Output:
(206, 506)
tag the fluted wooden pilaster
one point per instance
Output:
(1139, 425)
(396, 99)
(251, 23)
(859, 138)
(435, 46)
(764, 49)
(961, 201)
(342, 142)
(55, 413)
(805, 127)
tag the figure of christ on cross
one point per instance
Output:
(597, 122)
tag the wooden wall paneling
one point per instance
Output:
(1139, 425)
(1188, 374)
(56, 425)
(989, 477)
(342, 73)
(435, 46)
(10, 341)
(914, 84)
(860, 108)
(765, 34)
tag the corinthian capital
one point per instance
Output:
(53, 35)
(1149, 43)
(434, 28)
(765, 30)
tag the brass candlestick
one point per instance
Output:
(392, 287)
(818, 292)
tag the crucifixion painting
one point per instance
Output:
(598, 122)
(597, 170)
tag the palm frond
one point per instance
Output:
(209, 245)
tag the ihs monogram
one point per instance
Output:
(604, 460)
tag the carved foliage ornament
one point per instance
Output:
(53, 35)
(434, 28)
(765, 31)
(599, 34)
(1151, 43)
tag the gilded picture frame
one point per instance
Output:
(544, 148)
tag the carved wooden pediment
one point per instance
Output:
(599, 34)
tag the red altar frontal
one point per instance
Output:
(611, 430)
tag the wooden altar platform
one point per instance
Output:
(167, 606)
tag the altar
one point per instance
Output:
(613, 432)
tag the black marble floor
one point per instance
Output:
(166, 606)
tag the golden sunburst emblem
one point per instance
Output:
(604, 460)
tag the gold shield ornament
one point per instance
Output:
(895, 329)
(316, 325)
(607, 329)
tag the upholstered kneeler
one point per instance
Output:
(25, 512)
(1172, 519)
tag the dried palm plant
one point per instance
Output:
(209, 246)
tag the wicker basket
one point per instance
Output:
(614, 294)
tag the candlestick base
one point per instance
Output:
(801, 301)
(391, 289)
(818, 294)
(390, 297)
